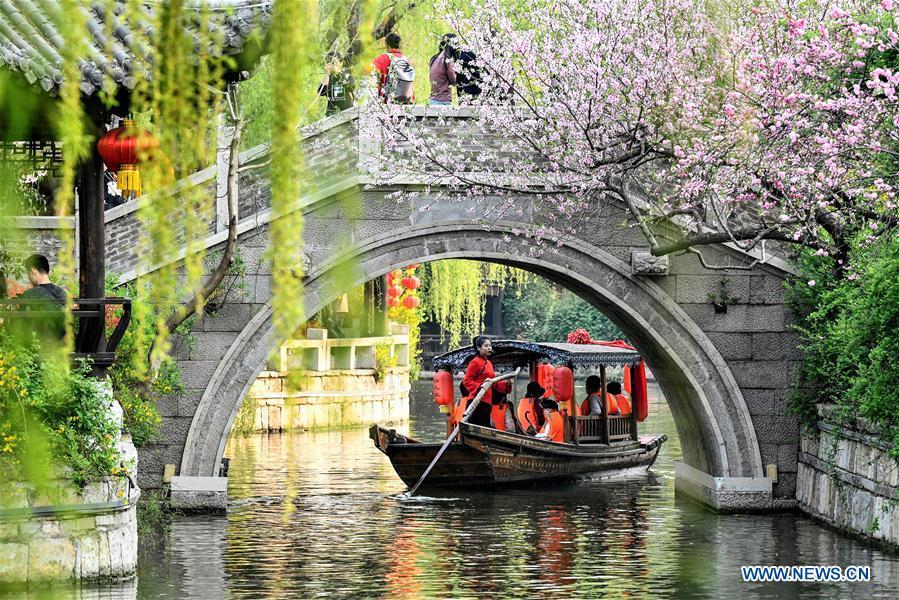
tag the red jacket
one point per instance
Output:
(381, 65)
(478, 370)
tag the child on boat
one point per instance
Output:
(554, 428)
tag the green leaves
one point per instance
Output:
(850, 336)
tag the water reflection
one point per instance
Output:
(322, 514)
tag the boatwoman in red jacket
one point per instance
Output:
(479, 369)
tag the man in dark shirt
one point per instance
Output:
(52, 297)
(337, 85)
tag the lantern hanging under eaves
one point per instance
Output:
(122, 149)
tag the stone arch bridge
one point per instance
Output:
(726, 375)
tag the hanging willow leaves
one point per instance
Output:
(454, 294)
(177, 103)
(70, 132)
(291, 49)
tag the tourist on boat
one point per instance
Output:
(530, 413)
(554, 428)
(479, 369)
(591, 405)
(624, 405)
(499, 413)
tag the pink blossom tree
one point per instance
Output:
(776, 124)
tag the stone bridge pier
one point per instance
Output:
(725, 370)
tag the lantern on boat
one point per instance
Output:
(626, 384)
(639, 396)
(563, 388)
(443, 388)
(121, 150)
(545, 377)
(411, 282)
(411, 302)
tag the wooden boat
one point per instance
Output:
(597, 446)
(485, 457)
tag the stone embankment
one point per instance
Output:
(88, 535)
(322, 383)
(847, 479)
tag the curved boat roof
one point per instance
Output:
(508, 354)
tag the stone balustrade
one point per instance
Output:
(328, 383)
(319, 353)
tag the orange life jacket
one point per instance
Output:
(458, 411)
(570, 407)
(611, 404)
(554, 428)
(624, 405)
(527, 415)
(498, 416)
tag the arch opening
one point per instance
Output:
(712, 419)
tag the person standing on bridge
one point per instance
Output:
(395, 73)
(479, 369)
(337, 85)
(442, 73)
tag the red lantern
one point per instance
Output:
(411, 302)
(545, 377)
(121, 150)
(394, 291)
(393, 302)
(412, 267)
(443, 388)
(411, 282)
(563, 389)
(640, 398)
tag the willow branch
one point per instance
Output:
(198, 300)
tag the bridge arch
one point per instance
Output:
(713, 421)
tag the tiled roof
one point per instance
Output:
(31, 44)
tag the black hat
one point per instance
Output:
(535, 390)
(549, 403)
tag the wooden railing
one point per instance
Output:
(601, 429)
(24, 315)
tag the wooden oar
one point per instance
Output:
(468, 411)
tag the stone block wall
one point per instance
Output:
(755, 341)
(847, 479)
(124, 229)
(325, 400)
(41, 235)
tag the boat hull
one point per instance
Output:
(487, 457)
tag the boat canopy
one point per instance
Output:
(509, 354)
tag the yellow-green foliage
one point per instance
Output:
(72, 26)
(412, 318)
(177, 104)
(293, 48)
(454, 292)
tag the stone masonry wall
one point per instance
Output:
(848, 479)
(100, 544)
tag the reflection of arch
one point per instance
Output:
(712, 418)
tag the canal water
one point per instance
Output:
(321, 514)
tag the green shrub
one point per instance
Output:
(541, 311)
(53, 419)
(850, 335)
